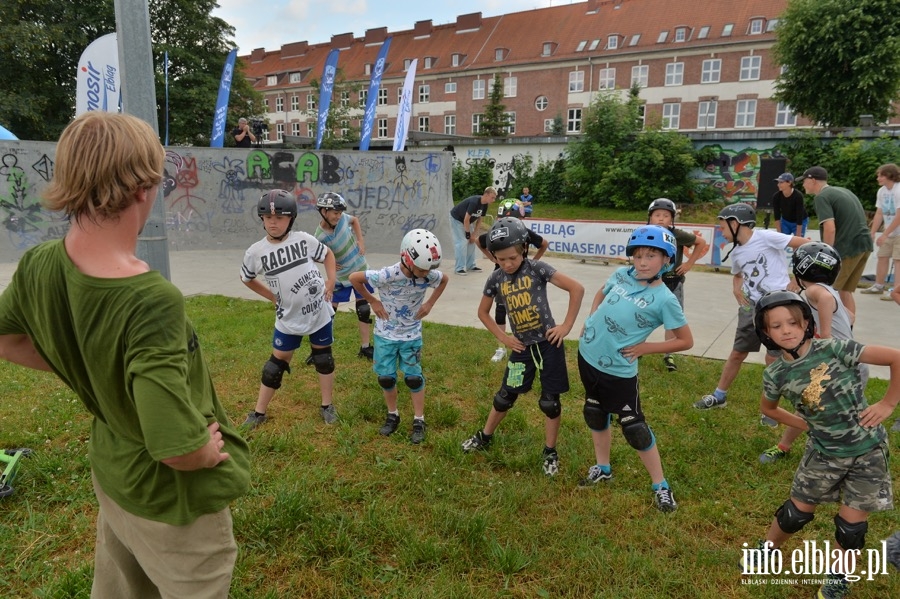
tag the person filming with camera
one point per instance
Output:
(243, 136)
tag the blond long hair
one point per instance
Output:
(102, 160)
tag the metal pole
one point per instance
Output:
(139, 99)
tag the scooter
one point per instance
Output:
(10, 458)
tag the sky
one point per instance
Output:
(270, 23)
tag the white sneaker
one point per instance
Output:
(499, 354)
(876, 288)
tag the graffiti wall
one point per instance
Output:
(210, 195)
(735, 173)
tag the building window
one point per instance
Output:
(607, 79)
(711, 71)
(363, 97)
(500, 54)
(727, 29)
(680, 34)
(548, 125)
(478, 89)
(576, 81)
(510, 86)
(407, 62)
(640, 74)
(573, 120)
(756, 26)
(296, 77)
(450, 124)
(382, 128)
(642, 116)
(310, 102)
(266, 104)
(784, 116)
(476, 123)
(706, 115)
(635, 39)
(612, 42)
(750, 66)
(671, 117)
(771, 25)
(272, 80)
(382, 96)
(594, 44)
(424, 123)
(429, 62)
(279, 104)
(541, 103)
(295, 128)
(662, 37)
(279, 129)
(400, 95)
(295, 102)
(704, 33)
(424, 94)
(368, 68)
(745, 116)
(456, 60)
(450, 87)
(345, 128)
(265, 135)
(674, 73)
(547, 49)
(510, 123)
(345, 99)
(581, 45)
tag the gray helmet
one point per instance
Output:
(662, 204)
(507, 232)
(743, 213)
(331, 201)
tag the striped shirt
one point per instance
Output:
(343, 245)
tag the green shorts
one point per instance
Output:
(864, 480)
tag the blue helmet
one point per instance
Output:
(651, 236)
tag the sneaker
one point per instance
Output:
(253, 420)
(461, 273)
(390, 425)
(499, 354)
(418, 431)
(752, 561)
(873, 289)
(892, 550)
(664, 500)
(551, 462)
(669, 361)
(366, 352)
(772, 454)
(477, 442)
(709, 401)
(766, 421)
(886, 297)
(836, 586)
(474, 269)
(329, 414)
(595, 475)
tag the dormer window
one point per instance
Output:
(457, 59)
(548, 48)
(501, 54)
(681, 34)
(296, 77)
(407, 62)
(756, 26)
(272, 80)
(612, 42)
(429, 61)
(368, 68)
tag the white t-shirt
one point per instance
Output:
(888, 200)
(289, 267)
(401, 297)
(763, 263)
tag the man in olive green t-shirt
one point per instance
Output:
(842, 225)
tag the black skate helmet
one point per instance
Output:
(278, 201)
(816, 262)
(773, 299)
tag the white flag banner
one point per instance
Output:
(98, 78)
(405, 110)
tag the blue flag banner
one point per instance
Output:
(405, 110)
(372, 98)
(325, 89)
(218, 129)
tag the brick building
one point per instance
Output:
(703, 66)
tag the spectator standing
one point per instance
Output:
(888, 243)
(789, 208)
(464, 220)
(243, 136)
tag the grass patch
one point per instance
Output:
(342, 512)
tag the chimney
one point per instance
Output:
(375, 36)
(422, 28)
(257, 55)
(469, 21)
(342, 40)
(294, 49)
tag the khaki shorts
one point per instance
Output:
(745, 338)
(851, 272)
(890, 248)
(864, 481)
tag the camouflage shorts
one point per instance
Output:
(864, 480)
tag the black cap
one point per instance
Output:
(816, 172)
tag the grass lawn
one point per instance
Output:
(338, 511)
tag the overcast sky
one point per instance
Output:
(270, 23)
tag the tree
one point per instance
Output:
(43, 40)
(495, 122)
(339, 130)
(842, 59)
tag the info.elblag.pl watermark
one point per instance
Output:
(811, 563)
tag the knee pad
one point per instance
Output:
(850, 536)
(323, 360)
(637, 432)
(500, 314)
(272, 372)
(790, 519)
(595, 417)
(363, 311)
(504, 400)
(387, 382)
(550, 405)
(415, 383)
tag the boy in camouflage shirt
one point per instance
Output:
(846, 456)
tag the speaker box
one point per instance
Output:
(769, 170)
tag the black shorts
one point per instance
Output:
(613, 394)
(543, 356)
